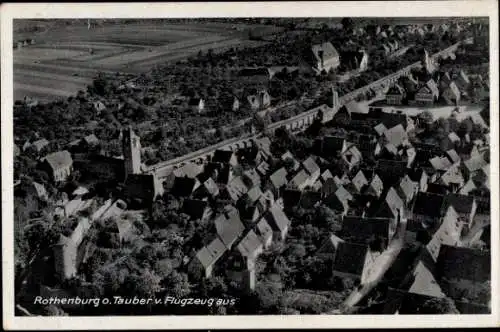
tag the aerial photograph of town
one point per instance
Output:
(252, 166)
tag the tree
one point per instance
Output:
(347, 23)
(443, 305)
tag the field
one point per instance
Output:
(66, 57)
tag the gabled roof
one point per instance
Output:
(359, 181)
(251, 177)
(278, 178)
(263, 168)
(452, 176)
(452, 136)
(391, 120)
(184, 186)
(464, 263)
(453, 156)
(380, 129)
(461, 203)
(40, 144)
(326, 175)
(222, 156)
(236, 188)
(396, 135)
(189, 169)
(263, 230)
(91, 139)
(425, 282)
(249, 245)
(195, 208)
(277, 218)
(394, 202)
(357, 229)
(211, 187)
(310, 166)
(58, 160)
(40, 189)
(407, 186)
(330, 245)
(350, 258)
(300, 179)
(328, 50)
(355, 107)
(289, 155)
(254, 194)
(475, 163)
(440, 163)
(376, 184)
(228, 230)
(468, 187)
(211, 253)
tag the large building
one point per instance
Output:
(131, 144)
(322, 57)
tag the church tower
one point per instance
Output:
(428, 63)
(131, 145)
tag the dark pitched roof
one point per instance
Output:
(464, 263)
(195, 208)
(461, 203)
(350, 258)
(184, 186)
(428, 204)
(222, 156)
(357, 229)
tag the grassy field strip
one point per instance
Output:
(42, 89)
(145, 65)
(50, 68)
(157, 51)
(22, 73)
(71, 87)
(32, 54)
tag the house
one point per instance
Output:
(351, 260)
(278, 221)
(259, 101)
(90, 141)
(424, 282)
(241, 264)
(465, 206)
(278, 180)
(464, 273)
(265, 233)
(197, 209)
(427, 94)
(440, 164)
(463, 80)
(291, 163)
(452, 178)
(58, 165)
(375, 187)
(328, 249)
(390, 207)
(229, 228)
(312, 169)
(472, 166)
(451, 94)
(251, 178)
(203, 263)
(38, 190)
(427, 208)
(359, 182)
(339, 200)
(331, 146)
(396, 136)
(196, 105)
(39, 145)
(225, 157)
(184, 186)
(448, 233)
(145, 187)
(235, 189)
(262, 168)
(407, 189)
(350, 157)
(300, 181)
(419, 176)
(390, 120)
(322, 57)
(361, 230)
(395, 95)
(391, 171)
(453, 156)
(207, 189)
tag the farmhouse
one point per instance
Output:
(58, 165)
(322, 57)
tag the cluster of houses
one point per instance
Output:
(441, 86)
(23, 43)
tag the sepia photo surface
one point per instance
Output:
(335, 166)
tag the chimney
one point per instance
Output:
(321, 56)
